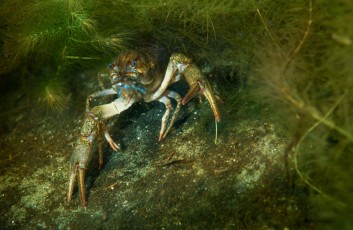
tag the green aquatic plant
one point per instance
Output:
(52, 30)
(303, 69)
(50, 34)
(54, 94)
(72, 28)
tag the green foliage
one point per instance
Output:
(53, 93)
(73, 29)
(51, 32)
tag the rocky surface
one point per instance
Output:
(185, 181)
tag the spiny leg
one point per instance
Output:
(103, 112)
(177, 64)
(168, 106)
(177, 98)
(101, 126)
(199, 85)
(107, 136)
(181, 64)
(80, 158)
(100, 93)
(83, 147)
(167, 80)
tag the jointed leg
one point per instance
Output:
(168, 106)
(177, 98)
(83, 147)
(179, 64)
(107, 136)
(101, 93)
(103, 112)
(102, 128)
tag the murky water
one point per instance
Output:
(279, 159)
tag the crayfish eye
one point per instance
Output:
(133, 63)
(113, 67)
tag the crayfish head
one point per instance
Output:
(138, 65)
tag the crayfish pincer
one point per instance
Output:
(135, 76)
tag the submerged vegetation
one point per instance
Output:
(304, 70)
(294, 57)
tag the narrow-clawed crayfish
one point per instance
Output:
(135, 76)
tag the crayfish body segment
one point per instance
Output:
(135, 76)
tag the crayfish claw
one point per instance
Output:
(81, 183)
(79, 159)
(71, 185)
(199, 84)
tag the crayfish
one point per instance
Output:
(135, 76)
